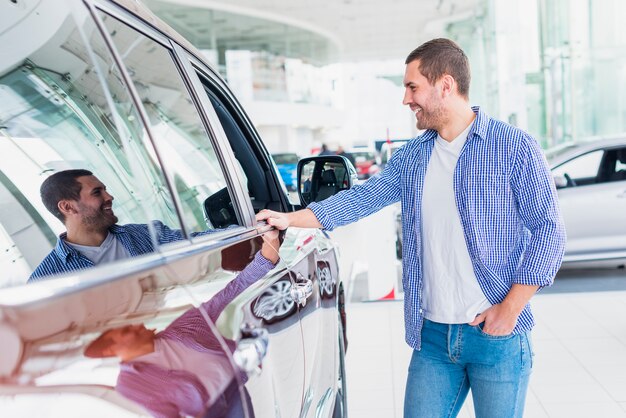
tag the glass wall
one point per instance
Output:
(553, 67)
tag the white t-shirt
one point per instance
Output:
(211, 367)
(451, 293)
(110, 250)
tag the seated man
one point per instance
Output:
(183, 370)
(79, 200)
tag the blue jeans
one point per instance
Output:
(454, 358)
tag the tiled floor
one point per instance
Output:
(579, 370)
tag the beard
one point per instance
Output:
(98, 219)
(431, 117)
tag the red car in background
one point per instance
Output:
(365, 162)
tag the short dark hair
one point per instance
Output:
(442, 56)
(61, 186)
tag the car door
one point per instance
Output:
(72, 106)
(315, 263)
(312, 271)
(593, 204)
(273, 380)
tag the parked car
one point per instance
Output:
(287, 164)
(105, 86)
(365, 162)
(591, 184)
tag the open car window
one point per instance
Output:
(189, 159)
(260, 174)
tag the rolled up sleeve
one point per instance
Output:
(538, 207)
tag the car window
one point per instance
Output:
(258, 172)
(581, 170)
(614, 165)
(63, 106)
(188, 156)
(363, 156)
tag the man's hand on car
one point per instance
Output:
(278, 220)
(304, 218)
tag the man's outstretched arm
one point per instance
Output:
(304, 218)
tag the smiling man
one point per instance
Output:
(79, 200)
(482, 232)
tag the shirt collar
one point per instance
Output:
(63, 250)
(480, 125)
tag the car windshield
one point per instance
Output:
(362, 156)
(285, 158)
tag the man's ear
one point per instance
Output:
(448, 85)
(66, 207)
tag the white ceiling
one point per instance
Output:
(361, 30)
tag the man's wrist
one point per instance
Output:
(518, 297)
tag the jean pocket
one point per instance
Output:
(479, 327)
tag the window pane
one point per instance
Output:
(179, 133)
(55, 114)
(616, 162)
(583, 167)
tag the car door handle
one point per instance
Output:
(622, 195)
(302, 290)
(251, 349)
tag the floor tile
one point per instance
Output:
(584, 410)
(579, 368)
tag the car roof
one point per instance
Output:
(144, 13)
(566, 151)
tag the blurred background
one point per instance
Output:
(330, 71)
(329, 74)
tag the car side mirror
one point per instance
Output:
(219, 211)
(560, 181)
(324, 176)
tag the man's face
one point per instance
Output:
(127, 339)
(95, 204)
(131, 335)
(423, 98)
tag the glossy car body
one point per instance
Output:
(287, 164)
(106, 86)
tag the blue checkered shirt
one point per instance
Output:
(134, 237)
(506, 200)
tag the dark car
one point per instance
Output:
(287, 164)
(105, 86)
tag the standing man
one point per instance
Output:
(325, 150)
(349, 156)
(482, 232)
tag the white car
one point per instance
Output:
(103, 85)
(591, 182)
